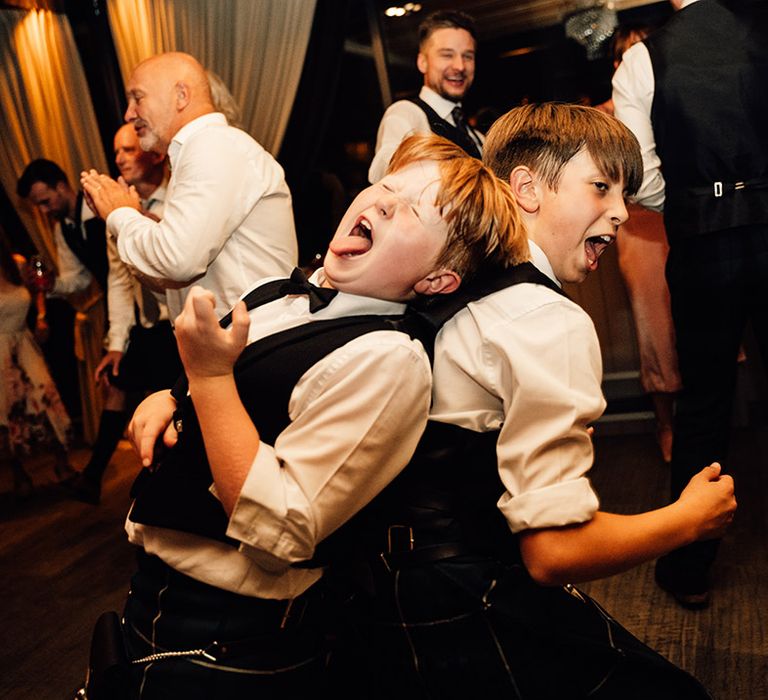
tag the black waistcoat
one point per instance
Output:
(91, 248)
(710, 115)
(441, 127)
(175, 493)
(448, 492)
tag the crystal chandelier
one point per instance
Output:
(592, 26)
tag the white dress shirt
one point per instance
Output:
(633, 90)
(125, 289)
(356, 417)
(228, 219)
(526, 360)
(72, 276)
(404, 118)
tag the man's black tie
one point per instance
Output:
(319, 297)
(458, 119)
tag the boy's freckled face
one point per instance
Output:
(576, 223)
(390, 237)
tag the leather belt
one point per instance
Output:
(717, 189)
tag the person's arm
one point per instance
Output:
(400, 120)
(120, 300)
(633, 89)
(609, 543)
(547, 365)
(151, 420)
(208, 353)
(356, 418)
(214, 188)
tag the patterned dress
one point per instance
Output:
(31, 412)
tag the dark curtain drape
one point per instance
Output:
(93, 38)
(314, 191)
(16, 232)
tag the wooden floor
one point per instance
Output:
(63, 562)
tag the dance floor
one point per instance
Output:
(63, 562)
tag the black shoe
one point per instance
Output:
(82, 488)
(688, 593)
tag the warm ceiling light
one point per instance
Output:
(401, 11)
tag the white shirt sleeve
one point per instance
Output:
(544, 452)
(633, 90)
(401, 119)
(213, 189)
(356, 418)
(527, 362)
(119, 300)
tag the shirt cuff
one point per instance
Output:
(118, 217)
(554, 506)
(263, 517)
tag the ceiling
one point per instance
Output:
(497, 21)
(498, 18)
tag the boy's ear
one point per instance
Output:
(525, 188)
(441, 281)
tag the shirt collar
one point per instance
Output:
(442, 106)
(158, 195)
(190, 129)
(541, 262)
(344, 304)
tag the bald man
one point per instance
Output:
(228, 219)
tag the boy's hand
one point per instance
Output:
(710, 497)
(207, 349)
(151, 420)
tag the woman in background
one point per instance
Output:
(32, 416)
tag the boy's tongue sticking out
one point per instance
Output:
(357, 242)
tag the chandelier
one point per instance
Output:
(592, 25)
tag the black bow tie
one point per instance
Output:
(319, 297)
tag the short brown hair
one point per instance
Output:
(544, 137)
(445, 19)
(483, 219)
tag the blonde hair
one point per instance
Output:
(544, 137)
(479, 209)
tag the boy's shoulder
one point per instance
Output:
(521, 301)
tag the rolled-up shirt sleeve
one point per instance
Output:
(356, 418)
(544, 451)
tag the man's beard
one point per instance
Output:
(149, 140)
(453, 97)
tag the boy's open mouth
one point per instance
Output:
(357, 242)
(594, 247)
